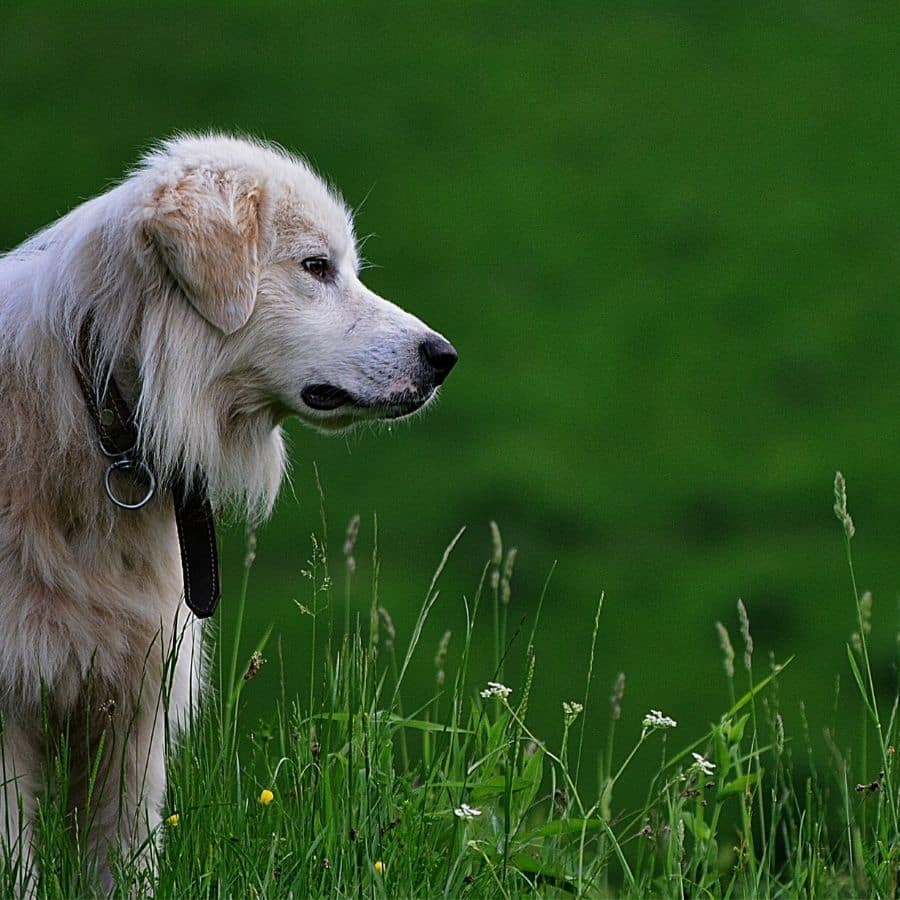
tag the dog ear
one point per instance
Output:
(206, 228)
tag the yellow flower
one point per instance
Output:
(266, 797)
(379, 867)
(173, 820)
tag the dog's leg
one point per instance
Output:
(20, 776)
(126, 802)
(118, 811)
(142, 787)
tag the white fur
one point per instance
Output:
(191, 271)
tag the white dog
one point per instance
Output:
(217, 289)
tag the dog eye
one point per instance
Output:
(318, 266)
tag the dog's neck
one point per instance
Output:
(117, 433)
(126, 374)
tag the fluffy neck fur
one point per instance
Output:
(172, 365)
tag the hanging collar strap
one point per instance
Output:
(117, 440)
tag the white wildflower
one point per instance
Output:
(571, 711)
(655, 719)
(495, 689)
(467, 812)
(703, 765)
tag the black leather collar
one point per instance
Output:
(117, 440)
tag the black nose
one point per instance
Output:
(439, 354)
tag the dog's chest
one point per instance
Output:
(86, 605)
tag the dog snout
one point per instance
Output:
(439, 354)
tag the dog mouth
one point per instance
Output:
(326, 397)
(330, 398)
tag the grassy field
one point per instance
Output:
(350, 791)
(664, 238)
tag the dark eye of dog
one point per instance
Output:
(318, 266)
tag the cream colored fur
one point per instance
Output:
(192, 271)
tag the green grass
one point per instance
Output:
(461, 797)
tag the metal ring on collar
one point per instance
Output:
(129, 465)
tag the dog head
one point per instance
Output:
(265, 253)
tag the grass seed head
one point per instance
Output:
(441, 657)
(744, 619)
(727, 649)
(865, 612)
(389, 629)
(251, 545)
(496, 557)
(615, 699)
(865, 620)
(779, 734)
(506, 576)
(840, 505)
(497, 542)
(254, 665)
(350, 543)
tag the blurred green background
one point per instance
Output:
(664, 238)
